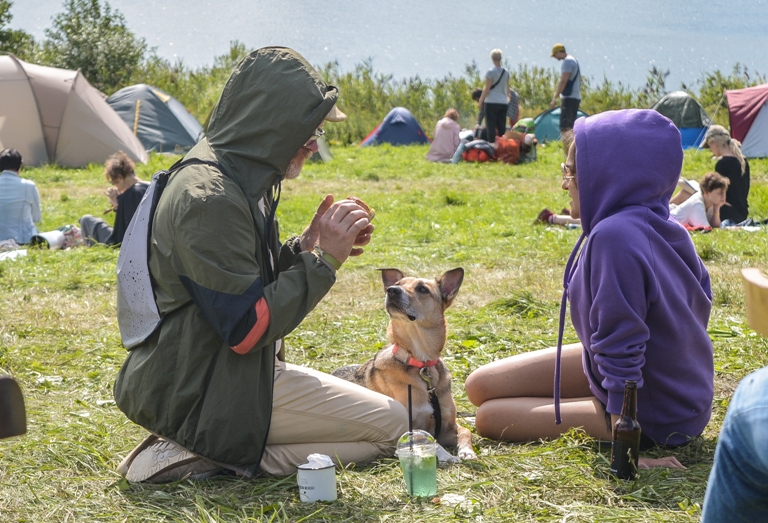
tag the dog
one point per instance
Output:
(417, 333)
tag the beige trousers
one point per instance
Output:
(316, 413)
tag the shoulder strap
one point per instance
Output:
(162, 181)
(503, 72)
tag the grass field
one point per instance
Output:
(59, 339)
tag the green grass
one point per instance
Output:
(59, 339)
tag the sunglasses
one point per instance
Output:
(316, 135)
(566, 172)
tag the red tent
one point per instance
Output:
(748, 110)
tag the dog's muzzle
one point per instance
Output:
(398, 301)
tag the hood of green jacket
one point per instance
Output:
(272, 103)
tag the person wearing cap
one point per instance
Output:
(568, 90)
(19, 200)
(731, 164)
(211, 383)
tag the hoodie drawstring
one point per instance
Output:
(561, 328)
(276, 190)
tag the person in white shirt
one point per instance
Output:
(19, 200)
(702, 208)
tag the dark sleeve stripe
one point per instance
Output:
(232, 316)
(258, 330)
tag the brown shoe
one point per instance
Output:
(544, 216)
(158, 460)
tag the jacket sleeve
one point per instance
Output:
(34, 198)
(215, 257)
(622, 286)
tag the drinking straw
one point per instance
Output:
(410, 440)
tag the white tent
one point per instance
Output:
(55, 116)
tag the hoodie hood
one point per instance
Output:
(270, 106)
(626, 159)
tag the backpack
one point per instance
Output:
(137, 313)
(507, 149)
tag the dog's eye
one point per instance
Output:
(422, 289)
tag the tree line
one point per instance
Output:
(91, 36)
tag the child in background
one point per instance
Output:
(702, 208)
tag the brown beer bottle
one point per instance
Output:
(626, 436)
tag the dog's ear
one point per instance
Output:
(390, 277)
(449, 284)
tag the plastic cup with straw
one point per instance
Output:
(417, 451)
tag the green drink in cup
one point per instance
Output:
(417, 451)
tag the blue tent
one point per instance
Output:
(159, 121)
(548, 124)
(399, 127)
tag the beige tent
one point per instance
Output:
(55, 116)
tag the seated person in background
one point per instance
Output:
(636, 280)
(732, 165)
(19, 200)
(446, 139)
(564, 218)
(702, 209)
(125, 195)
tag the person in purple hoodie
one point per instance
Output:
(639, 296)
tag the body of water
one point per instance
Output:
(618, 40)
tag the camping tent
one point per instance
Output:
(399, 127)
(55, 115)
(158, 120)
(548, 124)
(688, 116)
(748, 110)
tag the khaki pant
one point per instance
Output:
(316, 413)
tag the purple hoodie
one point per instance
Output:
(640, 296)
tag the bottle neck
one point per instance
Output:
(629, 408)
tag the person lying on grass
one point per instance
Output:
(211, 382)
(702, 208)
(640, 301)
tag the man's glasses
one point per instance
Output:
(316, 135)
(566, 172)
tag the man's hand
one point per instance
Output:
(310, 235)
(553, 103)
(340, 228)
(668, 462)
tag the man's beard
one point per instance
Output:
(294, 168)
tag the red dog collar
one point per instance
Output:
(413, 362)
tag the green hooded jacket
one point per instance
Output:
(211, 269)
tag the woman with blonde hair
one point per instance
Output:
(495, 97)
(732, 165)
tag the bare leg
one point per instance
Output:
(530, 374)
(680, 197)
(531, 419)
(564, 219)
(515, 397)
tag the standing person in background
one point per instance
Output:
(19, 200)
(495, 97)
(124, 196)
(568, 89)
(732, 165)
(446, 138)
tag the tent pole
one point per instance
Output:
(136, 117)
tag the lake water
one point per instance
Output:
(621, 40)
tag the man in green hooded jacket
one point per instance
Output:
(210, 382)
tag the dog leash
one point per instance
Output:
(423, 367)
(424, 373)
